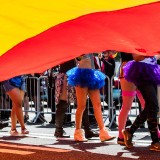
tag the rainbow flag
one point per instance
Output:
(37, 35)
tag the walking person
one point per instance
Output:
(65, 94)
(87, 82)
(129, 91)
(145, 74)
(15, 88)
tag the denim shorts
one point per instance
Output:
(8, 86)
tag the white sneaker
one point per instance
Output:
(79, 135)
(104, 135)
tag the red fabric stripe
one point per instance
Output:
(133, 30)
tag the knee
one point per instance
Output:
(80, 109)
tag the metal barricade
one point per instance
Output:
(41, 100)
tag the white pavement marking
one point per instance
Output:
(95, 140)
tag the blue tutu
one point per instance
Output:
(140, 72)
(93, 79)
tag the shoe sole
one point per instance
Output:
(154, 149)
(121, 143)
(81, 141)
(17, 134)
(85, 140)
(109, 139)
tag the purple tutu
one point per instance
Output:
(140, 72)
(91, 78)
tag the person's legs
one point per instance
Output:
(86, 124)
(81, 94)
(60, 115)
(95, 98)
(16, 96)
(141, 100)
(128, 95)
(149, 92)
(141, 103)
(61, 109)
(85, 119)
(128, 133)
(149, 113)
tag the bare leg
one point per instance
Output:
(96, 101)
(16, 96)
(81, 94)
(95, 98)
(128, 94)
(13, 118)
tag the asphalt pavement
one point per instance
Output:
(41, 144)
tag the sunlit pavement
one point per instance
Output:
(40, 144)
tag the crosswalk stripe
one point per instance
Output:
(33, 148)
(51, 136)
(20, 152)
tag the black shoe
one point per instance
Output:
(120, 141)
(61, 134)
(127, 138)
(3, 125)
(90, 133)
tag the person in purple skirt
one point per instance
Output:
(145, 74)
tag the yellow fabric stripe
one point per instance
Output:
(21, 19)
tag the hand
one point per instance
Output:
(100, 55)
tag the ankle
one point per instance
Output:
(13, 129)
(23, 128)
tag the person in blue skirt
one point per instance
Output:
(87, 82)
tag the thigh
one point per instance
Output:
(125, 85)
(95, 97)
(16, 95)
(22, 93)
(81, 94)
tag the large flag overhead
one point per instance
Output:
(36, 35)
